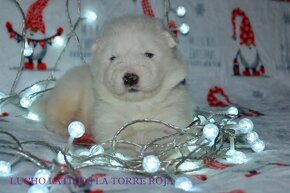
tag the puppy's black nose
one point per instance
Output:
(130, 79)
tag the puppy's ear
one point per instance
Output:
(170, 41)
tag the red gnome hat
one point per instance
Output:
(34, 16)
(246, 31)
(147, 8)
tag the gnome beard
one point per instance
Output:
(249, 57)
(247, 54)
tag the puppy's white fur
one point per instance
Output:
(96, 94)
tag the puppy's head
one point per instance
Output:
(135, 58)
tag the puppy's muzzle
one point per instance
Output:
(130, 79)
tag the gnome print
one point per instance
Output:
(247, 54)
(36, 41)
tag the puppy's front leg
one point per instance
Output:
(70, 100)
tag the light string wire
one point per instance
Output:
(23, 33)
(133, 165)
(71, 34)
(176, 144)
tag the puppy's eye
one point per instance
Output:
(149, 54)
(112, 58)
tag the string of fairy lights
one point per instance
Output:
(210, 136)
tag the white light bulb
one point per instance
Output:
(237, 157)
(191, 145)
(28, 50)
(5, 168)
(252, 137)
(43, 173)
(91, 16)
(26, 102)
(258, 146)
(76, 129)
(115, 163)
(184, 28)
(211, 120)
(2, 95)
(61, 160)
(188, 165)
(121, 156)
(246, 125)
(59, 41)
(35, 88)
(33, 116)
(201, 118)
(183, 183)
(210, 131)
(82, 152)
(151, 164)
(38, 188)
(232, 112)
(232, 123)
(96, 150)
(231, 152)
(180, 11)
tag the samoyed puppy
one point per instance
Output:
(136, 73)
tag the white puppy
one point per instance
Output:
(136, 73)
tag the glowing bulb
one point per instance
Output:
(35, 88)
(27, 98)
(232, 112)
(59, 41)
(258, 146)
(33, 116)
(151, 164)
(191, 145)
(180, 11)
(201, 118)
(38, 188)
(61, 160)
(188, 165)
(252, 137)
(28, 50)
(5, 168)
(121, 156)
(82, 152)
(210, 131)
(26, 102)
(42, 173)
(232, 123)
(76, 129)
(246, 125)
(96, 150)
(2, 95)
(237, 157)
(184, 29)
(91, 16)
(211, 120)
(231, 152)
(115, 163)
(183, 183)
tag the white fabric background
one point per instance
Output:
(209, 21)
